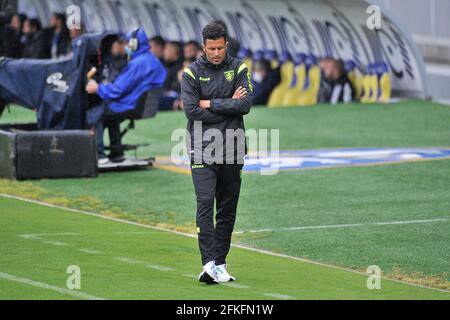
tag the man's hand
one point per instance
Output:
(205, 104)
(92, 87)
(240, 93)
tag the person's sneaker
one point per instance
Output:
(208, 274)
(117, 159)
(103, 161)
(223, 275)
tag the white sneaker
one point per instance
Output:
(103, 161)
(223, 275)
(209, 275)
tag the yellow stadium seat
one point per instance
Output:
(298, 82)
(369, 85)
(385, 83)
(310, 95)
(374, 88)
(274, 64)
(278, 94)
(310, 92)
(355, 77)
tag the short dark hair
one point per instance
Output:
(265, 64)
(35, 23)
(214, 31)
(192, 43)
(60, 16)
(177, 45)
(158, 40)
(223, 24)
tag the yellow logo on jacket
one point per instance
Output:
(229, 75)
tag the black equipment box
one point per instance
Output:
(26, 153)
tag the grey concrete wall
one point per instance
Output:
(422, 17)
(429, 23)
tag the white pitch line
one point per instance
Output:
(240, 246)
(55, 243)
(335, 226)
(133, 233)
(39, 236)
(159, 268)
(278, 296)
(90, 251)
(151, 266)
(128, 260)
(235, 285)
(73, 293)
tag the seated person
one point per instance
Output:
(264, 81)
(143, 72)
(191, 50)
(173, 62)
(335, 86)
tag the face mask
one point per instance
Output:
(128, 51)
(258, 77)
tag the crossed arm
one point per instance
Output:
(240, 93)
(216, 110)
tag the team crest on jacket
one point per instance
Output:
(229, 75)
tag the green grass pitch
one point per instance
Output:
(355, 195)
(121, 261)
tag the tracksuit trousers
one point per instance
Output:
(221, 183)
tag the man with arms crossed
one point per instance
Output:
(217, 93)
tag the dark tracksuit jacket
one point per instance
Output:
(216, 176)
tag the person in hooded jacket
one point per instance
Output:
(143, 73)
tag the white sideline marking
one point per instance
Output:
(159, 268)
(76, 294)
(132, 233)
(191, 276)
(278, 296)
(243, 247)
(151, 266)
(39, 236)
(235, 285)
(90, 251)
(128, 260)
(55, 243)
(335, 226)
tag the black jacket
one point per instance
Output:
(203, 80)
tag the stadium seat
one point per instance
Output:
(355, 77)
(272, 56)
(287, 73)
(257, 56)
(384, 79)
(370, 85)
(246, 55)
(298, 81)
(310, 93)
(146, 107)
